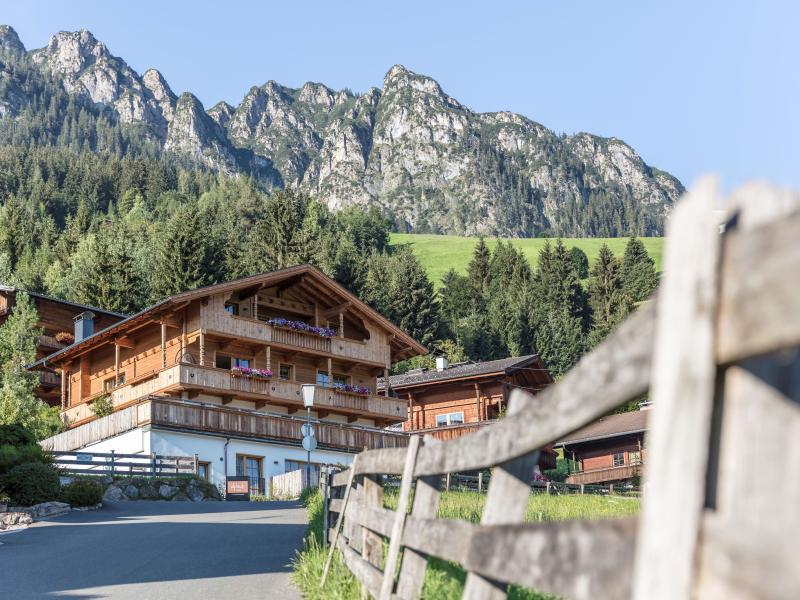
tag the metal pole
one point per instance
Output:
(308, 453)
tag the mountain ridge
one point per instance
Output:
(425, 160)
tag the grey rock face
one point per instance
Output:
(167, 491)
(43, 510)
(195, 494)
(10, 520)
(132, 492)
(408, 149)
(114, 494)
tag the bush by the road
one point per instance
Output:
(31, 483)
(82, 492)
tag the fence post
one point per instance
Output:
(480, 481)
(195, 465)
(581, 489)
(371, 543)
(447, 482)
(610, 489)
(325, 501)
(112, 463)
(547, 488)
(153, 463)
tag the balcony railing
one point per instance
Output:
(300, 339)
(48, 341)
(606, 474)
(179, 414)
(49, 379)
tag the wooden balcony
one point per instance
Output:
(450, 432)
(286, 393)
(179, 414)
(606, 474)
(49, 342)
(48, 379)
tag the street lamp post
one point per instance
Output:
(308, 390)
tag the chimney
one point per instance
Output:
(84, 325)
(441, 363)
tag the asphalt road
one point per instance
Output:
(156, 550)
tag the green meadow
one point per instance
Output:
(443, 580)
(439, 253)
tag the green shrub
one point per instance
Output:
(15, 435)
(11, 456)
(82, 492)
(102, 406)
(31, 483)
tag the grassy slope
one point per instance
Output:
(439, 253)
(443, 579)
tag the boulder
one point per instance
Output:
(132, 492)
(180, 496)
(43, 510)
(167, 491)
(114, 494)
(195, 494)
(14, 519)
(148, 491)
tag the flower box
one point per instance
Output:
(324, 332)
(251, 373)
(64, 337)
(356, 390)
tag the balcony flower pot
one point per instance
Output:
(249, 373)
(353, 390)
(323, 332)
(65, 337)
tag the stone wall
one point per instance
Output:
(192, 489)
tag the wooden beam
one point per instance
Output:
(116, 365)
(321, 414)
(163, 345)
(202, 347)
(193, 394)
(125, 342)
(291, 410)
(261, 404)
(478, 401)
(227, 399)
(336, 310)
(352, 419)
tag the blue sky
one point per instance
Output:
(694, 87)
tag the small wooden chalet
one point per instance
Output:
(610, 450)
(217, 372)
(452, 400)
(57, 323)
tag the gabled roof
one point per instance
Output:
(503, 366)
(405, 344)
(609, 427)
(81, 307)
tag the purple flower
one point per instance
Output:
(250, 372)
(355, 389)
(326, 332)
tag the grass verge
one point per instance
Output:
(442, 579)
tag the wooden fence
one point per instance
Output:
(717, 352)
(289, 485)
(114, 463)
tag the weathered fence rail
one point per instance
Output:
(115, 463)
(717, 351)
(288, 485)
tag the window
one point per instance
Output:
(322, 379)
(250, 467)
(635, 457)
(108, 384)
(619, 459)
(226, 361)
(204, 470)
(231, 308)
(340, 379)
(455, 418)
(286, 372)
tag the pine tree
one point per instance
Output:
(478, 270)
(412, 302)
(609, 302)
(580, 261)
(18, 404)
(638, 272)
(182, 254)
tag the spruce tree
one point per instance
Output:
(479, 267)
(18, 404)
(182, 254)
(412, 302)
(580, 261)
(608, 300)
(638, 272)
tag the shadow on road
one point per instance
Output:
(141, 542)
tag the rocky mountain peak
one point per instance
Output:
(221, 112)
(9, 40)
(72, 51)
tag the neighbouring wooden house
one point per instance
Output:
(610, 450)
(217, 372)
(453, 400)
(57, 321)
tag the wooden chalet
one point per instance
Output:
(227, 362)
(610, 450)
(56, 318)
(453, 400)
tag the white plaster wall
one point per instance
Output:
(134, 441)
(212, 449)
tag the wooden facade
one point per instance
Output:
(452, 401)
(608, 451)
(55, 317)
(194, 345)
